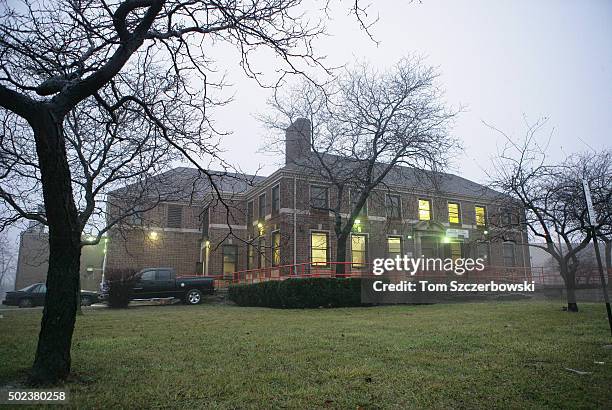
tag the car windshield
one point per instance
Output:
(28, 288)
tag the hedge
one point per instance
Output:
(299, 293)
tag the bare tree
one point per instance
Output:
(362, 127)
(551, 196)
(58, 54)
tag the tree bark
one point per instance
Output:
(341, 254)
(570, 288)
(52, 360)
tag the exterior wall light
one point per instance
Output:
(260, 227)
(446, 239)
(153, 235)
(207, 244)
(485, 232)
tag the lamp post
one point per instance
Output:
(592, 223)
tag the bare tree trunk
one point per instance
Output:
(52, 361)
(341, 254)
(608, 257)
(570, 288)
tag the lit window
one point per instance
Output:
(424, 209)
(319, 248)
(319, 196)
(394, 206)
(358, 250)
(394, 246)
(230, 256)
(454, 217)
(276, 256)
(481, 215)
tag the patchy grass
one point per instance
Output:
(509, 355)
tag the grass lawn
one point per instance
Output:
(509, 355)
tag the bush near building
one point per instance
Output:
(299, 293)
(120, 283)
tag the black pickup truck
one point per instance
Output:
(158, 283)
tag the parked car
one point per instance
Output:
(34, 295)
(159, 283)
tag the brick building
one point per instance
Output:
(271, 221)
(33, 257)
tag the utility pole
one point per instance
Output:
(593, 223)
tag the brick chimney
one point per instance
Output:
(297, 140)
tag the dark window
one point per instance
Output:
(354, 196)
(506, 217)
(42, 288)
(482, 251)
(509, 255)
(262, 252)
(148, 275)
(230, 258)
(394, 209)
(429, 246)
(251, 256)
(250, 211)
(319, 196)
(136, 218)
(276, 199)
(262, 207)
(175, 216)
(164, 274)
(205, 221)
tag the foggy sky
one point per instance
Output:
(501, 59)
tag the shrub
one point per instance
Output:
(299, 293)
(120, 283)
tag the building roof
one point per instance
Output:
(184, 183)
(410, 178)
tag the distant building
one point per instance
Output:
(32, 261)
(274, 222)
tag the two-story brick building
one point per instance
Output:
(254, 222)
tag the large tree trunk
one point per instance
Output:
(52, 361)
(341, 254)
(608, 257)
(569, 278)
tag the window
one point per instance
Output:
(506, 217)
(393, 206)
(482, 251)
(276, 256)
(481, 216)
(42, 288)
(359, 250)
(509, 256)
(250, 216)
(205, 221)
(148, 275)
(319, 196)
(250, 256)
(454, 215)
(136, 218)
(262, 207)
(454, 250)
(175, 216)
(424, 210)
(319, 248)
(276, 199)
(164, 274)
(262, 252)
(354, 196)
(429, 246)
(230, 258)
(394, 246)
